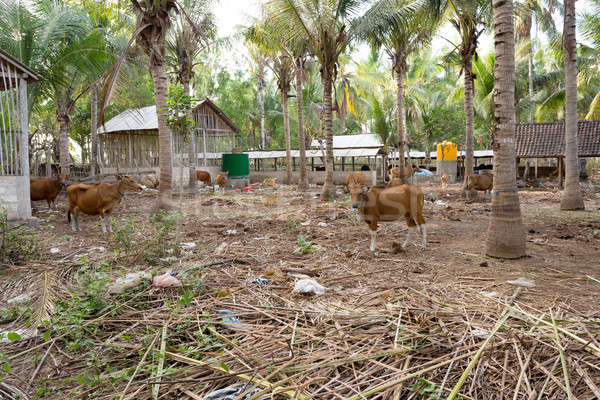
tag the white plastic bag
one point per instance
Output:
(309, 286)
(130, 280)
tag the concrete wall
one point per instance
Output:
(447, 167)
(14, 196)
(314, 178)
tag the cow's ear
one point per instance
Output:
(118, 177)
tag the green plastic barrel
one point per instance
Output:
(238, 165)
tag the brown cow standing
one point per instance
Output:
(221, 180)
(444, 180)
(355, 181)
(390, 204)
(401, 175)
(46, 189)
(482, 182)
(97, 199)
(203, 176)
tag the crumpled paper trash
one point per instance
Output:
(166, 280)
(309, 286)
(130, 280)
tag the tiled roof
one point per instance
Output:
(548, 139)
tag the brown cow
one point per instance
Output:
(401, 175)
(354, 184)
(482, 182)
(221, 180)
(203, 176)
(444, 180)
(390, 204)
(97, 199)
(46, 189)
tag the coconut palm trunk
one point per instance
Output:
(191, 145)
(469, 116)
(571, 197)
(94, 129)
(328, 188)
(506, 236)
(400, 115)
(286, 127)
(63, 142)
(303, 181)
(159, 77)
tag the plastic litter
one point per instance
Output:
(523, 282)
(323, 224)
(441, 203)
(298, 275)
(130, 280)
(188, 245)
(221, 248)
(54, 250)
(231, 321)
(424, 172)
(259, 281)
(22, 298)
(166, 280)
(306, 223)
(233, 392)
(481, 333)
(231, 232)
(489, 294)
(261, 238)
(309, 286)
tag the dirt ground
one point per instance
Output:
(445, 295)
(563, 247)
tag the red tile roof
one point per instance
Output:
(548, 139)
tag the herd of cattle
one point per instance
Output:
(376, 203)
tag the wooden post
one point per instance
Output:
(48, 161)
(560, 174)
(24, 145)
(130, 146)
(204, 145)
(312, 164)
(536, 168)
(293, 163)
(343, 163)
(353, 164)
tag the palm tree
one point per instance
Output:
(469, 18)
(571, 197)
(299, 56)
(328, 28)
(259, 66)
(400, 37)
(152, 26)
(184, 44)
(506, 235)
(59, 41)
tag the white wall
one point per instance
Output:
(314, 177)
(15, 197)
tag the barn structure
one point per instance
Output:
(129, 141)
(14, 137)
(547, 141)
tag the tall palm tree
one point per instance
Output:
(299, 54)
(469, 18)
(328, 28)
(259, 66)
(400, 37)
(184, 44)
(152, 26)
(571, 197)
(506, 235)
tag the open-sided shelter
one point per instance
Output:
(130, 140)
(14, 137)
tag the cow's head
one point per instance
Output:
(125, 182)
(357, 193)
(62, 179)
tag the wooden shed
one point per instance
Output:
(130, 140)
(14, 137)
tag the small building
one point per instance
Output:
(547, 140)
(130, 140)
(14, 137)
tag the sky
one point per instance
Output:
(231, 14)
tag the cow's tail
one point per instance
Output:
(69, 215)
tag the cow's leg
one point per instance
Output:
(411, 223)
(109, 220)
(73, 223)
(423, 229)
(76, 218)
(373, 231)
(102, 221)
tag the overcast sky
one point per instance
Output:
(231, 14)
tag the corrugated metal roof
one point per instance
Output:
(314, 153)
(548, 139)
(142, 119)
(364, 140)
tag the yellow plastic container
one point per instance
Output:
(447, 151)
